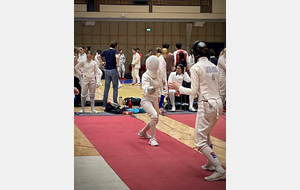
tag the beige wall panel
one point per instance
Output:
(218, 39)
(183, 40)
(96, 28)
(218, 6)
(123, 40)
(104, 40)
(158, 40)
(95, 39)
(131, 28)
(210, 38)
(183, 28)
(201, 30)
(132, 40)
(194, 31)
(193, 39)
(77, 27)
(113, 28)
(158, 28)
(148, 47)
(175, 28)
(77, 39)
(167, 28)
(175, 39)
(199, 38)
(210, 28)
(96, 47)
(86, 29)
(140, 40)
(224, 28)
(87, 39)
(113, 38)
(80, 8)
(104, 28)
(104, 47)
(218, 28)
(167, 39)
(141, 28)
(149, 40)
(123, 28)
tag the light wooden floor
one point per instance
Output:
(177, 130)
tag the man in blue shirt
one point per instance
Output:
(111, 72)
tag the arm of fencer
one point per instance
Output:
(195, 81)
(97, 74)
(221, 63)
(186, 77)
(146, 85)
(78, 66)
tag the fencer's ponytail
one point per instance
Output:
(158, 51)
(206, 52)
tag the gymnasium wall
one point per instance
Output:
(130, 34)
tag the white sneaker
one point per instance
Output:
(120, 86)
(153, 142)
(94, 111)
(146, 135)
(136, 84)
(208, 167)
(81, 111)
(101, 84)
(192, 109)
(216, 176)
(173, 108)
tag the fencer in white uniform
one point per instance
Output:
(179, 77)
(151, 85)
(89, 73)
(136, 65)
(205, 83)
(222, 75)
(122, 60)
(162, 72)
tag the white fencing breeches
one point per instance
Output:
(88, 87)
(207, 117)
(135, 75)
(121, 70)
(152, 110)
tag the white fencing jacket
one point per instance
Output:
(136, 60)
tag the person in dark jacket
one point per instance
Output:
(213, 59)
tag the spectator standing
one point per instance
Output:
(111, 72)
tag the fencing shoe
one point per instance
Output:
(216, 176)
(81, 111)
(153, 142)
(145, 135)
(209, 167)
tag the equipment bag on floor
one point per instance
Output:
(135, 101)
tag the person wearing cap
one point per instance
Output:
(205, 83)
(151, 85)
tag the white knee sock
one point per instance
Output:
(83, 101)
(146, 128)
(92, 103)
(153, 122)
(212, 157)
(172, 99)
(191, 101)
